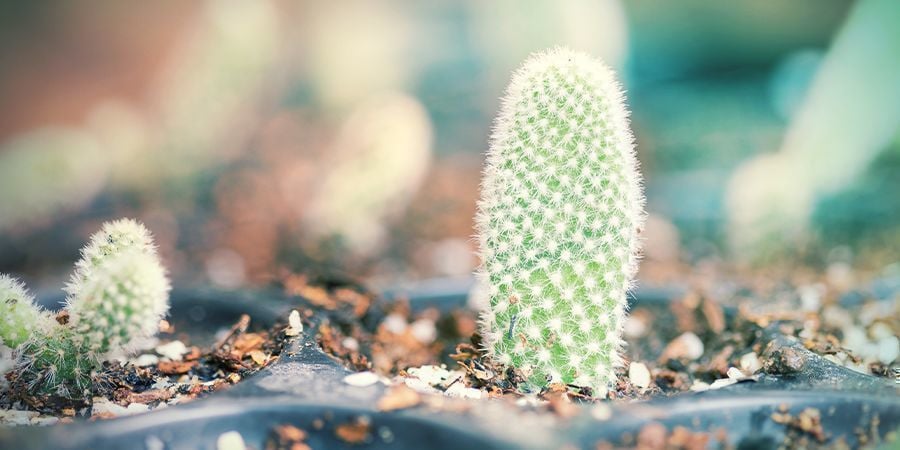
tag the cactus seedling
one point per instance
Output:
(116, 297)
(558, 220)
(19, 316)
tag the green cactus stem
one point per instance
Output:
(558, 222)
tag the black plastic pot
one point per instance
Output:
(305, 388)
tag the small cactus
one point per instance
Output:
(116, 297)
(558, 222)
(46, 171)
(113, 239)
(19, 316)
(385, 148)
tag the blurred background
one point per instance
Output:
(346, 139)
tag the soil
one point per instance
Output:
(171, 373)
(700, 339)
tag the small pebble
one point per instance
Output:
(394, 323)
(103, 405)
(146, 360)
(601, 412)
(688, 345)
(16, 417)
(750, 363)
(836, 317)
(174, 350)
(230, 440)
(811, 296)
(430, 374)
(880, 330)
(639, 375)
(295, 325)
(722, 382)
(361, 379)
(424, 331)
(699, 386)
(44, 420)
(635, 327)
(154, 443)
(735, 374)
(888, 349)
(460, 390)
(350, 344)
(855, 339)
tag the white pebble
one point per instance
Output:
(350, 344)
(154, 443)
(855, 340)
(601, 412)
(722, 382)
(693, 346)
(295, 325)
(430, 374)
(44, 420)
(102, 405)
(634, 327)
(459, 390)
(16, 417)
(880, 330)
(699, 386)
(750, 363)
(424, 331)
(639, 375)
(294, 320)
(735, 374)
(361, 379)
(888, 349)
(231, 440)
(395, 324)
(173, 350)
(146, 360)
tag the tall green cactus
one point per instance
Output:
(558, 222)
(116, 297)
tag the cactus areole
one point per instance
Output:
(558, 220)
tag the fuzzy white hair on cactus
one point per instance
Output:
(558, 222)
(121, 303)
(114, 238)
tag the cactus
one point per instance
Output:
(114, 238)
(19, 316)
(47, 171)
(834, 135)
(385, 148)
(558, 222)
(116, 297)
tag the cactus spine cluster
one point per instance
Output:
(558, 222)
(116, 296)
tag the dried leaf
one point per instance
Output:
(176, 367)
(399, 397)
(355, 432)
(258, 357)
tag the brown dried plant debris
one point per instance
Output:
(357, 431)
(808, 422)
(239, 354)
(287, 437)
(399, 396)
